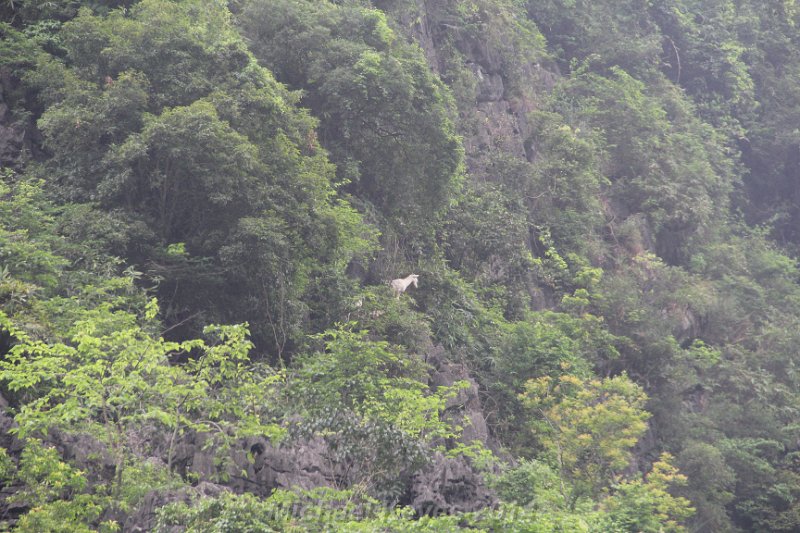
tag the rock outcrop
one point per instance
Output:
(449, 485)
(12, 131)
(144, 518)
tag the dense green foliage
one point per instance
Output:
(600, 199)
(383, 115)
(161, 118)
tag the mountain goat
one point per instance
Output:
(400, 285)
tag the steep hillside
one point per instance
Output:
(204, 204)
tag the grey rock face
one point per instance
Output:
(144, 518)
(12, 132)
(449, 485)
(465, 407)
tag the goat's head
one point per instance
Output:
(414, 278)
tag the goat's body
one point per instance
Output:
(400, 285)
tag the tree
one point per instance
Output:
(385, 118)
(588, 428)
(646, 505)
(159, 117)
(370, 403)
(112, 380)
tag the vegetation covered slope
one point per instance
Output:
(203, 203)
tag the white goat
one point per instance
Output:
(400, 285)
